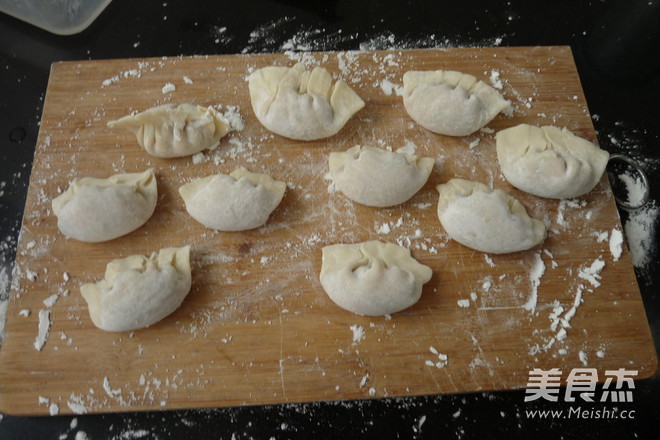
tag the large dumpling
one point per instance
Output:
(372, 278)
(171, 130)
(485, 219)
(549, 161)
(450, 102)
(139, 291)
(299, 104)
(236, 202)
(377, 177)
(95, 210)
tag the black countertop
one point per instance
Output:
(616, 45)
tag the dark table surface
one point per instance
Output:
(616, 45)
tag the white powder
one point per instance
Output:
(601, 237)
(463, 302)
(421, 421)
(3, 315)
(388, 87)
(44, 328)
(489, 261)
(199, 158)
(233, 116)
(535, 274)
(442, 359)
(583, 358)
(495, 79)
(592, 273)
(616, 244)
(54, 409)
(168, 88)
(408, 148)
(106, 387)
(566, 319)
(31, 275)
(81, 435)
(187, 80)
(358, 333)
(561, 334)
(76, 404)
(51, 300)
(384, 229)
(109, 81)
(422, 205)
(634, 188)
(640, 229)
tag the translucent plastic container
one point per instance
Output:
(62, 17)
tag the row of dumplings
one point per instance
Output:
(371, 278)
(95, 210)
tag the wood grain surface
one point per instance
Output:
(257, 327)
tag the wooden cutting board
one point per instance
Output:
(257, 327)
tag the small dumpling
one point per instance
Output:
(549, 161)
(236, 202)
(95, 210)
(139, 291)
(449, 102)
(299, 104)
(372, 278)
(171, 130)
(485, 219)
(377, 177)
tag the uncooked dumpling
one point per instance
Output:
(485, 219)
(372, 278)
(236, 202)
(377, 177)
(171, 130)
(299, 104)
(95, 210)
(139, 291)
(449, 102)
(549, 161)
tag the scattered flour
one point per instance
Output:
(76, 404)
(495, 79)
(583, 358)
(51, 300)
(616, 244)
(592, 273)
(358, 333)
(388, 87)
(168, 88)
(443, 359)
(535, 274)
(43, 330)
(463, 303)
(640, 232)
